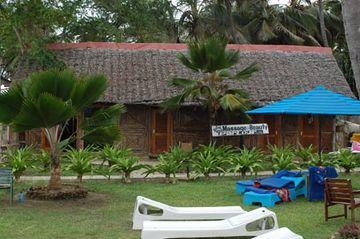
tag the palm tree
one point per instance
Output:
(322, 23)
(261, 22)
(351, 16)
(47, 100)
(211, 61)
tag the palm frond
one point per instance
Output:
(10, 104)
(87, 91)
(247, 72)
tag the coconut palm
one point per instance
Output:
(211, 61)
(47, 100)
(351, 15)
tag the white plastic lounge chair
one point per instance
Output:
(150, 210)
(253, 223)
(282, 233)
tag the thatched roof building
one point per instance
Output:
(138, 75)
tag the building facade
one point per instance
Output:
(138, 75)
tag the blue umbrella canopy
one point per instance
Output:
(318, 101)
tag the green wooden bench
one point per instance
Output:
(6, 182)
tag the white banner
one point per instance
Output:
(239, 129)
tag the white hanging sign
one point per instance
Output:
(239, 129)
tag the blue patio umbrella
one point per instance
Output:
(318, 101)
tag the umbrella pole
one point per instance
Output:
(319, 136)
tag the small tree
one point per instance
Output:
(211, 61)
(47, 100)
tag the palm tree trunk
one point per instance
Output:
(127, 178)
(322, 23)
(52, 135)
(55, 177)
(234, 36)
(351, 17)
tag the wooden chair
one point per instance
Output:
(340, 192)
(6, 182)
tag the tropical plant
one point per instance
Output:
(79, 161)
(126, 163)
(43, 157)
(211, 59)
(282, 158)
(47, 100)
(246, 160)
(102, 127)
(104, 170)
(168, 164)
(19, 160)
(211, 159)
(304, 154)
(322, 159)
(351, 17)
(346, 159)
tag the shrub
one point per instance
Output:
(246, 160)
(122, 160)
(346, 159)
(349, 231)
(169, 164)
(282, 158)
(80, 161)
(19, 160)
(211, 159)
(104, 170)
(304, 154)
(322, 159)
(43, 157)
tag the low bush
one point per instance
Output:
(346, 159)
(124, 161)
(211, 159)
(246, 160)
(282, 158)
(169, 163)
(79, 161)
(19, 160)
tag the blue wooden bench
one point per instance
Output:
(6, 182)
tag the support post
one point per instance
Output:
(319, 136)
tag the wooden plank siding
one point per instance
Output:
(191, 125)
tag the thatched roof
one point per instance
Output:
(138, 73)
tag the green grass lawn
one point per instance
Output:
(107, 213)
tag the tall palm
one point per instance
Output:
(211, 61)
(351, 15)
(47, 100)
(261, 22)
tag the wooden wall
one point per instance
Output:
(191, 125)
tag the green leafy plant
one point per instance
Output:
(346, 159)
(168, 164)
(282, 158)
(323, 159)
(246, 160)
(19, 160)
(80, 161)
(43, 158)
(122, 160)
(304, 154)
(40, 103)
(213, 60)
(211, 159)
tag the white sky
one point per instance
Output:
(278, 1)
